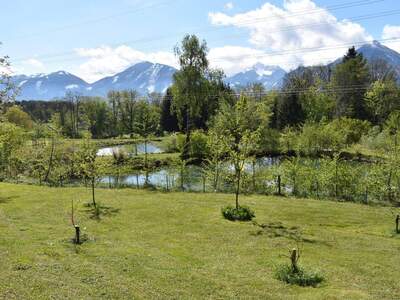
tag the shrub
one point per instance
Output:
(243, 213)
(301, 277)
(198, 145)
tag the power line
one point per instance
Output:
(148, 40)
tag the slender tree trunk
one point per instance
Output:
(93, 198)
(254, 175)
(50, 160)
(182, 171)
(238, 174)
(186, 147)
(145, 154)
(336, 180)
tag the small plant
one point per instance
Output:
(294, 274)
(242, 213)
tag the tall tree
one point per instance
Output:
(288, 110)
(127, 110)
(168, 118)
(189, 83)
(350, 81)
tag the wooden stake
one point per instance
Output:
(77, 234)
(294, 256)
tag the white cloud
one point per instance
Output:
(391, 32)
(106, 61)
(229, 6)
(299, 24)
(35, 63)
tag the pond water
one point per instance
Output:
(130, 149)
(171, 178)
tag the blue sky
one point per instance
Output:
(95, 38)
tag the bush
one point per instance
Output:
(198, 145)
(286, 274)
(243, 213)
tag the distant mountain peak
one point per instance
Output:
(146, 77)
(269, 76)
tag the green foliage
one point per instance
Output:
(317, 104)
(238, 127)
(382, 99)
(198, 145)
(350, 80)
(241, 213)
(18, 117)
(12, 139)
(303, 278)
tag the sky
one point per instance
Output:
(97, 38)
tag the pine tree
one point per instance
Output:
(350, 81)
(168, 118)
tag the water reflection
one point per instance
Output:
(191, 178)
(130, 149)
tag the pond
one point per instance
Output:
(130, 149)
(171, 178)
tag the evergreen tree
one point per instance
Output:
(168, 118)
(350, 81)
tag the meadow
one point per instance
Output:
(151, 245)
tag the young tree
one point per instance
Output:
(189, 83)
(217, 151)
(89, 167)
(239, 127)
(146, 124)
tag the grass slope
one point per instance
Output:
(159, 245)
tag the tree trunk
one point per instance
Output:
(254, 175)
(50, 160)
(93, 199)
(186, 147)
(397, 224)
(145, 154)
(279, 185)
(238, 174)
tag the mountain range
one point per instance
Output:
(146, 77)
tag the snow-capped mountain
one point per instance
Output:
(269, 76)
(144, 77)
(48, 86)
(377, 51)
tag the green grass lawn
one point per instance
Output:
(177, 245)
